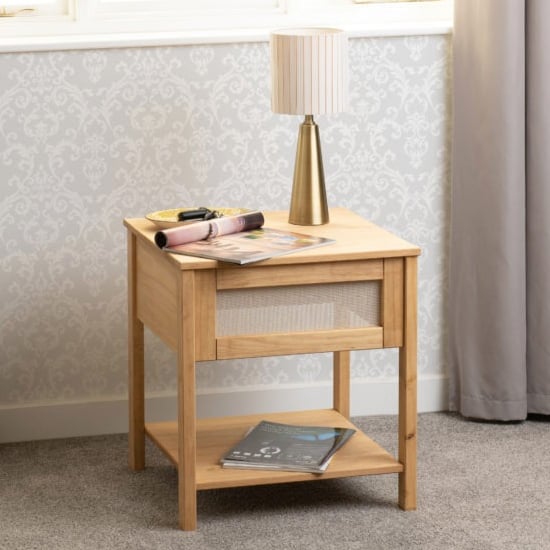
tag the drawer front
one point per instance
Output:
(280, 310)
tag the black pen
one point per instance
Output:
(187, 215)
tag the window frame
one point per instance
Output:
(83, 26)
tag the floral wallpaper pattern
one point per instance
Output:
(90, 137)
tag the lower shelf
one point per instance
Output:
(359, 456)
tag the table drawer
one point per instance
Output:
(274, 310)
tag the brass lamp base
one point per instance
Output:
(308, 205)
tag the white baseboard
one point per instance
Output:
(107, 416)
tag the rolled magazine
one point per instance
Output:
(209, 229)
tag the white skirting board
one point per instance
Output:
(108, 416)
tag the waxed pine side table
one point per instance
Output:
(359, 293)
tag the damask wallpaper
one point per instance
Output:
(90, 137)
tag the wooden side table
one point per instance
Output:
(358, 293)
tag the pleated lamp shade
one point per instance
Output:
(308, 71)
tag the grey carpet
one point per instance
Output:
(480, 486)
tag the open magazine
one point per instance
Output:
(275, 446)
(240, 239)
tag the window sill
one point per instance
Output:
(360, 21)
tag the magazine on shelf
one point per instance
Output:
(240, 239)
(275, 446)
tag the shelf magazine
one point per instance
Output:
(237, 239)
(274, 446)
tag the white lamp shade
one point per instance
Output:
(308, 71)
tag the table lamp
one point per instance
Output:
(308, 77)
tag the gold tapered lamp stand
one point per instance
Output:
(308, 205)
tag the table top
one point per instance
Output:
(355, 239)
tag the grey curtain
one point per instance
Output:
(499, 302)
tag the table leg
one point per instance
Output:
(407, 390)
(341, 382)
(136, 391)
(187, 493)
